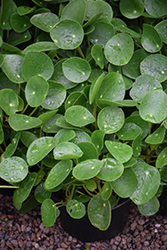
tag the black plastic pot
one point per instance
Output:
(83, 230)
(163, 202)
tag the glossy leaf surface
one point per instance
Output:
(66, 151)
(45, 21)
(41, 193)
(48, 212)
(149, 208)
(75, 209)
(23, 122)
(8, 101)
(131, 9)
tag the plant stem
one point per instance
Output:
(87, 191)
(72, 192)
(33, 111)
(9, 187)
(80, 52)
(25, 109)
(1, 150)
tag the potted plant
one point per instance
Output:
(83, 105)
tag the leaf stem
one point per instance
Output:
(80, 52)
(3, 186)
(87, 191)
(25, 109)
(1, 150)
(33, 111)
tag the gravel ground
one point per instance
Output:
(26, 232)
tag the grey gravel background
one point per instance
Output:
(26, 232)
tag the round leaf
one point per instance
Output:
(45, 21)
(58, 174)
(102, 33)
(66, 151)
(119, 49)
(143, 85)
(19, 23)
(151, 40)
(129, 131)
(11, 148)
(156, 8)
(157, 136)
(8, 101)
(67, 34)
(126, 184)
(161, 28)
(119, 150)
(65, 134)
(55, 96)
(148, 183)
(39, 148)
(97, 54)
(106, 191)
(37, 63)
(75, 209)
(154, 113)
(99, 212)
(110, 119)
(41, 193)
(40, 46)
(20, 122)
(13, 169)
(149, 208)
(162, 159)
(89, 151)
(12, 68)
(111, 92)
(48, 212)
(79, 116)
(36, 90)
(111, 170)
(27, 138)
(87, 169)
(132, 68)
(50, 126)
(76, 69)
(131, 9)
(149, 67)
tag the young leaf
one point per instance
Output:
(76, 209)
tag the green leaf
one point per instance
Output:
(148, 183)
(50, 126)
(102, 33)
(94, 88)
(65, 134)
(75, 98)
(24, 10)
(7, 9)
(126, 184)
(76, 69)
(97, 54)
(131, 9)
(143, 85)
(37, 63)
(137, 145)
(48, 212)
(157, 136)
(8, 101)
(81, 136)
(12, 68)
(119, 49)
(132, 68)
(58, 75)
(67, 34)
(149, 208)
(160, 28)
(13, 169)
(129, 131)
(89, 151)
(156, 112)
(111, 92)
(106, 191)
(87, 169)
(149, 66)
(156, 8)
(111, 170)
(39, 148)
(99, 212)
(25, 187)
(58, 174)
(79, 116)
(151, 40)
(19, 23)
(76, 209)
(47, 115)
(162, 159)
(91, 185)
(110, 119)
(11, 148)
(119, 150)
(40, 46)
(36, 90)
(44, 21)
(98, 139)
(28, 205)
(18, 38)
(21, 122)
(66, 151)
(130, 163)
(1, 134)
(27, 138)
(74, 10)
(55, 96)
